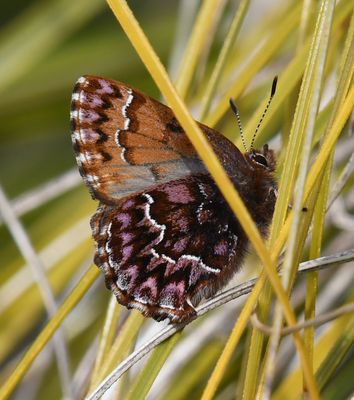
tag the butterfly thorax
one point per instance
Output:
(253, 176)
(260, 192)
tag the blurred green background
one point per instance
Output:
(45, 45)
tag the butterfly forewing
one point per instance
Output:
(125, 141)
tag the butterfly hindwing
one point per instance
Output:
(164, 249)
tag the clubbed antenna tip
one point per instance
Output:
(235, 111)
(274, 86)
(233, 107)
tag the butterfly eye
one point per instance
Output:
(259, 159)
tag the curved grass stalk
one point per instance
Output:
(313, 322)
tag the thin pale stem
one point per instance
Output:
(38, 272)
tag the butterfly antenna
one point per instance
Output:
(235, 111)
(274, 87)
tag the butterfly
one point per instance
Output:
(165, 237)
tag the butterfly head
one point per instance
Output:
(263, 160)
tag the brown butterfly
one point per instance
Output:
(165, 236)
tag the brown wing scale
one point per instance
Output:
(122, 140)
